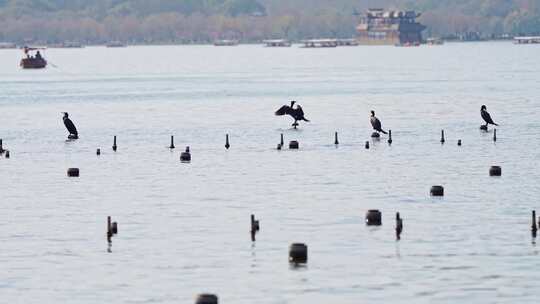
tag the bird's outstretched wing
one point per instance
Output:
(284, 110)
(70, 126)
(487, 118)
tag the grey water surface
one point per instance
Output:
(184, 228)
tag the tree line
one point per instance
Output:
(203, 21)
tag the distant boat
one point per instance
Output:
(434, 41)
(72, 44)
(33, 60)
(226, 42)
(277, 43)
(348, 42)
(527, 40)
(320, 43)
(67, 45)
(7, 45)
(116, 44)
(408, 44)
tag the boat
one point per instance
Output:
(115, 44)
(434, 41)
(226, 42)
(33, 60)
(527, 40)
(7, 45)
(388, 27)
(67, 45)
(277, 43)
(320, 43)
(348, 42)
(408, 44)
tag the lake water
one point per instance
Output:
(184, 228)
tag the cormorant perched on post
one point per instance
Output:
(297, 114)
(486, 117)
(73, 134)
(376, 123)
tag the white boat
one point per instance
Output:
(527, 40)
(116, 44)
(226, 42)
(320, 43)
(277, 43)
(7, 45)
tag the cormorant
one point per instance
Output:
(376, 123)
(297, 114)
(73, 134)
(486, 117)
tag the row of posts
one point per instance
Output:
(294, 144)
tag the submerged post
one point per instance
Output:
(98, 151)
(373, 217)
(336, 141)
(494, 134)
(227, 145)
(389, 137)
(294, 145)
(298, 253)
(73, 172)
(459, 142)
(185, 157)
(442, 137)
(7, 153)
(281, 142)
(437, 191)
(1, 147)
(367, 145)
(206, 299)
(114, 147)
(172, 142)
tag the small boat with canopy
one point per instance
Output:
(34, 59)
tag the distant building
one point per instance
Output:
(390, 27)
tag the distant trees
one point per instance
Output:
(191, 21)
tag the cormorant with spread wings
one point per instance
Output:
(296, 113)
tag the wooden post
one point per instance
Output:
(442, 137)
(109, 230)
(533, 226)
(399, 226)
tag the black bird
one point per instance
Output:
(486, 117)
(376, 123)
(73, 134)
(297, 114)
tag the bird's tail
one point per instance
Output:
(496, 124)
(304, 119)
(383, 131)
